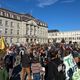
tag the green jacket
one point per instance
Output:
(3, 74)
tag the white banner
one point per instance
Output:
(71, 66)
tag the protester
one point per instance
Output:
(62, 48)
(36, 68)
(3, 72)
(25, 62)
(20, 59)
(42, 56)
(9, 60)
(54, 70)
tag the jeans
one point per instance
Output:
(36, 76)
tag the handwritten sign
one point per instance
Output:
(71, 66)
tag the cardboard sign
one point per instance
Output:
(71, 66)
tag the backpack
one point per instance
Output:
(7, 60)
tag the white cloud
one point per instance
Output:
(68, 1)
(43, 3)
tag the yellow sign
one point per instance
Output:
(2, 44)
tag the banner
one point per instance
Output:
(71, 66)
(2, 44)
(76, 75)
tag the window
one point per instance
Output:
(12, 16)
(55, 34)
(27, 28)
(18, 17)
(17, 32)
(6, 30)
(34, 40)
(6, 23)
(11, 40)
(35, 30)
(5, 14)
(52, 34)
(0, 31)
(9, 15)
(58, 38)
(18, 26)
(1, 13)
(27, 24)
(0, 22)
(73, 38)
(26, 32)
(11, 24)
(77, 38)
(6, 39)
(40, 23)
(69, 38)
(17, 40)
(65, 38)
(11, 31)
(31, 40)
(27, 40)
(31, 30)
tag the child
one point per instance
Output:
(3, 71)
(36, 68)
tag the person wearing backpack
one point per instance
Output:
(25, 62)
(54, 70)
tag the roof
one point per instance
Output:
(23, 17)
(53, 30)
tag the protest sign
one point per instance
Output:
(71, 66)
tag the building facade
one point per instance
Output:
(17, 28)
(57, 36)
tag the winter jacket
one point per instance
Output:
(54, 70)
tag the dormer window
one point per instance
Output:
(11, 15)
(18, 17)
(3, 13)
(6, 14)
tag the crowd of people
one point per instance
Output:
(37, 62)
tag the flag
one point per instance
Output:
(2, 44)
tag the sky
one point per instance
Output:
(63, 15)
